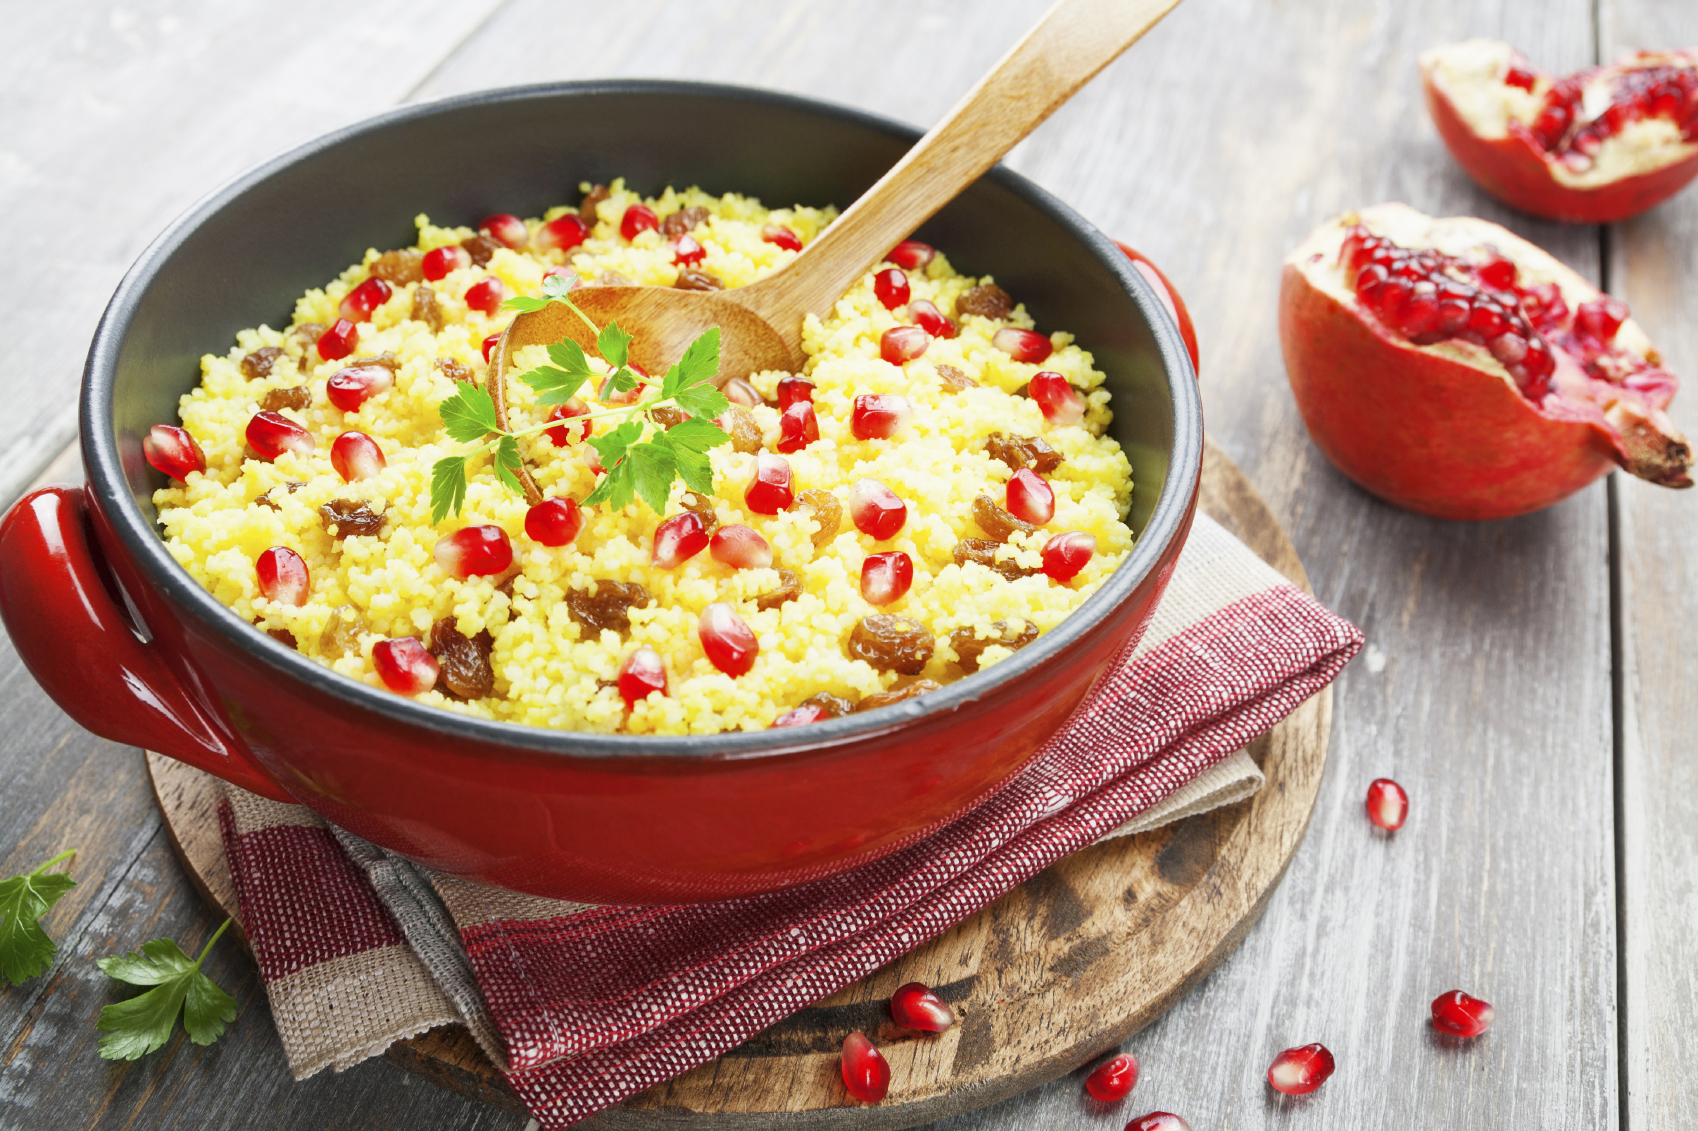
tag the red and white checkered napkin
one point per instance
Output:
(584, 1006)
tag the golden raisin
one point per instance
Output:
(695, 279)
(586, 210)
(702, 507)
(402, 266)
(983, 551)
(266, 500)
(745, 433)
(426, 309)
(281, 635)
(257, 365)
(954, 380)
(306, 336)
(896, 694)
(454, 371)
(351, 517)
(995, 521)
(891, 644)
(789, 588)
(683, 222)
(969, 645)
(668, 416)
(608, 607)
(988, 301)
(466, 671)
(387, 359)
(480, 247)
(828, 514)
(341, 637)
(296, 397)
(1023, 451)
(831, 706)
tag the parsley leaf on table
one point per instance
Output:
(143, 1023)
(25, 949)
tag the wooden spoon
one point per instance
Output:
(761, 324)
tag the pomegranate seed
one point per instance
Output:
(439, 261)
(687, 252)
(642, 674)
(1600, 318)
(865, 1071)
(1067, 553)
(489, 345)
(798, 427)
(800, 716)
(877, 510)
(902, 344)
(1030, 499)
(1519, 76)
(886, 577)
(364, 299)
(879, 416)
(1022, 345)
(915, 1006)
(271, 434)
(567, 434)
(1113, 1081)
(678, 539)
(740, 547)
(339, 341)
(1498, 272)
(1158, 1121)
(487, 295)
(792, 389)
(355, 455)
(1299, 1071)
(404, 665)
(1388, 805)
(730, 645)
(1460, 1015)
(554, 522)
(172, 451)
(929, 318)
(283, 578)
(474, 551)
(1060, 402)
(781, 237)
(639, 218)
(507, 228)
(891, 287)
(911, 254)
(563, 234)
(354, 385)
(739, 391)
(769, 490)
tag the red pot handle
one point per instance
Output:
(1169, 294)
(76, 641)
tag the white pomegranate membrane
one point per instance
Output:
(1573, 127)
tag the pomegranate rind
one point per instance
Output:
(1442, 429)
(1512, 166)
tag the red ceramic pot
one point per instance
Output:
(600, 818)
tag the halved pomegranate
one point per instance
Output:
(282, 576)
(915, 1006)
(865, 1071)
(474, 551)
(355, 455)
(740, 547)
(173, 451)
(270, 434)
(404, 665)
(642, 674)
(878, 512)
(727, 640)
(1452, 368)
(1595, 147)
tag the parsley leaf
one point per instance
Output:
(653, 467)
(613, 344)
(526, 304)
(690, 440)
(619, 482)
(447, 487)
(25, 949)
(557, 286)
(507, 463)
(468, 415)
(143, 1023)
(558, 383)
(690, 382)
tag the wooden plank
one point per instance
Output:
(1653, 266)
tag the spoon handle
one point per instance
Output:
(1074, 40)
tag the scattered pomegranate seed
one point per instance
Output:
(911, 254)
(554, 522)
(792, 389)
(1059, 401)
(172, 451)
(1388, 805)
(1022, 345)
(1067, 553)
(487, 295)
(877, 510)
(740, 547)
(474, 551)
(865, 1071)
(678, 539)
(638, 218)
(283, 578)
(1158, 1121)
(1030, 499)
(802, 716)
(507, 228)
(929, 318)
(642, 674)
(567, 434)
(365, 298)
(730, 645)
(1299, 1071)
(355, 455)
(769, 490)
(439, 261)
(915, 1006)
(798, 427)
(739, 391)
(271, 434)
(902, 344)
(563, 234)
(879, 416)
(339, 341)
(687, 252)
(886, 577)
(891, 287)
(1460, 1015)
(1113, 1081)
(782, 237)
(354, 385)
(404, 665)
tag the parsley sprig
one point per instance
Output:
(25, 949)
(139, 1025)
(641, 457)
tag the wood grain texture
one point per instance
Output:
(1653, 265)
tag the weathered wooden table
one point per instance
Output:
(1532, 682)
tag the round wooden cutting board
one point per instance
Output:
(1063, 968)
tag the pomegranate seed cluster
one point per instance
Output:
(1571, 125)
(929, 494)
